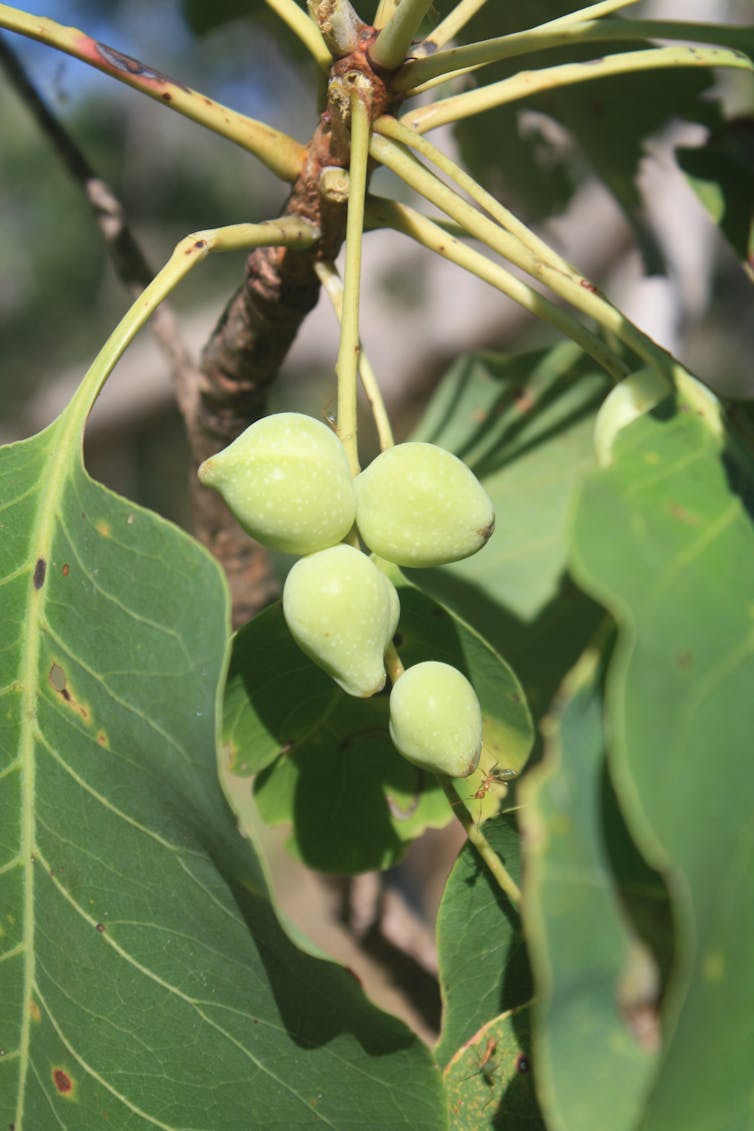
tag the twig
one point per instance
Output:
(275, 149)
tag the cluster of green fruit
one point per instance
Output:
(288, 482)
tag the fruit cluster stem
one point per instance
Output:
(349, 350)
(499, 872)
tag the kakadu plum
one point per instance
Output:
(436, 720)
(419, 505)
(287, 481)
(342, 612)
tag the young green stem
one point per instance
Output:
(385, 10)
(386, 213)
(449, 27)
(497, 869)
(280, 153)
(527, 83)
(562, 279)
(568, 284)
(460, 60)
(285, 232)
(392, 44)
(390, 127)
(348, 353)
(327, 273)
(305, 29)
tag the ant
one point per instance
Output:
(496, 775)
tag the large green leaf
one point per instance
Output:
(488, 973)
(591, 903)
(484, 1046)
(145, 981)
(324, 760)
(664, 539)
(524, 425)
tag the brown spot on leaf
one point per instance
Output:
(34, 1011)
(58, 681)
(40, 569)
(103, 739)
(62, 1081)
(685, 660)
(683, 515)
(66, 569)
(103, 527)
(101, 928)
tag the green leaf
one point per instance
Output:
(145, 981)
(524, 425)
(676, 573)
(721, 173)
(485, 973)
(591, 906)
(489, 1081)
(324, 760)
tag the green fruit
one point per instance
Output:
(436, 720)
(419, 505)
(342, 612)
(287, 481)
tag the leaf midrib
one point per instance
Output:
(61, 436)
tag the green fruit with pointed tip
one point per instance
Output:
(436, 720)
(287, 481)
(342, 612)
(419, 505)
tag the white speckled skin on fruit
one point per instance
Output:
(436, 720)
(287, 481)
(419, 505)
(342, 612)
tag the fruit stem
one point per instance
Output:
(394, 41)
(393, 664)
(430, 64)
(499, 872)
(347, 364)
(304, 28)
(448, 28)
(328, 275)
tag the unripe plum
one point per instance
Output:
(436, 720)
(342, 612)
(419, 505)
(287, 481)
